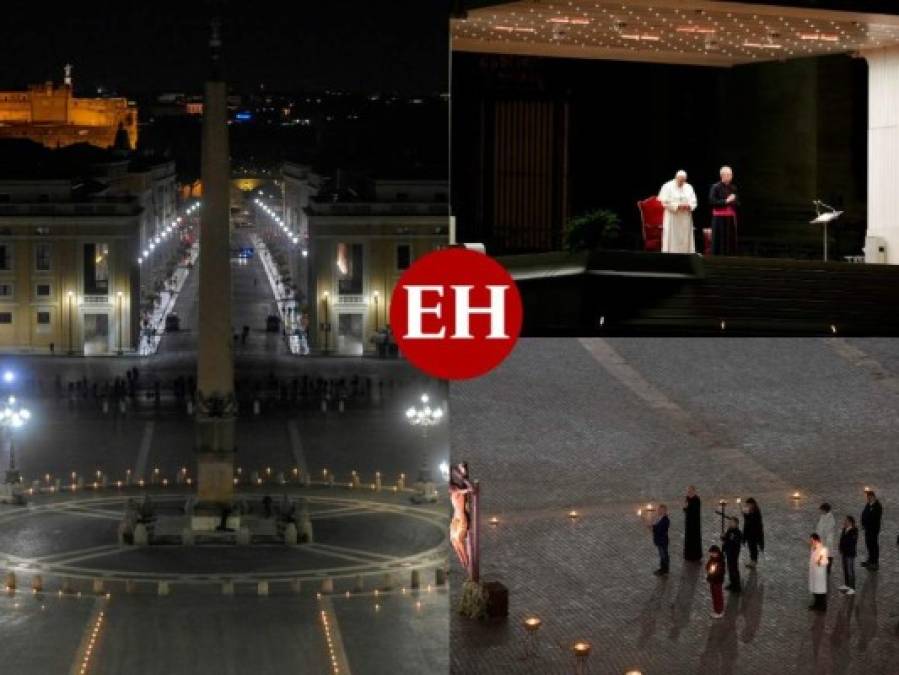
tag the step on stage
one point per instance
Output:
(637, 293)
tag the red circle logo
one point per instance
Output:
(456, 314)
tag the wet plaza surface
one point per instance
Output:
(363, 597)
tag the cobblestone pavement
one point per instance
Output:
(604, 426)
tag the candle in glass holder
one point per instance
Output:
(796, 495)
(573, 514)
(581, 649)
(494, 521)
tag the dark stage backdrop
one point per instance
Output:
(601, 134)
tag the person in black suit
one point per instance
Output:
(871, 517)
(753, 531)
(660, 539)
(733, 540)
(848, 548)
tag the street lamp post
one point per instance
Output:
(71, 296)
(375, 298)
(326, 324)
(119, 296)
(12, 417)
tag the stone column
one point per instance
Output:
(215, 369)
(883, 148)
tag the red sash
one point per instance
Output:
(725, 212)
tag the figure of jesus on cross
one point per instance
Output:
(464, 496)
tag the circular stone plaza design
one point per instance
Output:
(361, 540)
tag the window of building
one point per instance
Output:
(349, 269)
(403, 256)
(42, 257)
(43, 290)
(43, 318)
(6, 291)
(5, 257)
(96, 269)
(5, 317)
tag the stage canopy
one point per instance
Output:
(688, 32)
(721, 34)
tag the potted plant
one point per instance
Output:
(596, 229)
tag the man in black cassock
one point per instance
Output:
(692, 526)
(724, 202)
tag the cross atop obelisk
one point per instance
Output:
(215, 368)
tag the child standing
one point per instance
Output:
(714, 569)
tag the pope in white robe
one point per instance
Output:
(679, 200)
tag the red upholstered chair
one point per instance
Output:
(651, 214)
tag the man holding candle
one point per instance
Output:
(827, 528)
(733, 541)
(659, 529)
(817, 573)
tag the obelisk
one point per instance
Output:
(216, 408)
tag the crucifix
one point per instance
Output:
(465, 525)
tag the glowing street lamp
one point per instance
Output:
(425, 416)
(12, 417)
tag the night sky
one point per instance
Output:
(141, 47)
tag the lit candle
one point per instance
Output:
(532, 623)
(494, 521)
(796, 495)
(581, 648)
(573, 515)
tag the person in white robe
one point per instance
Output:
(817, 573)
(679, 200)
(827, 529)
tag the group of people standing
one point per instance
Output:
(724, 559)
(679, 200)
